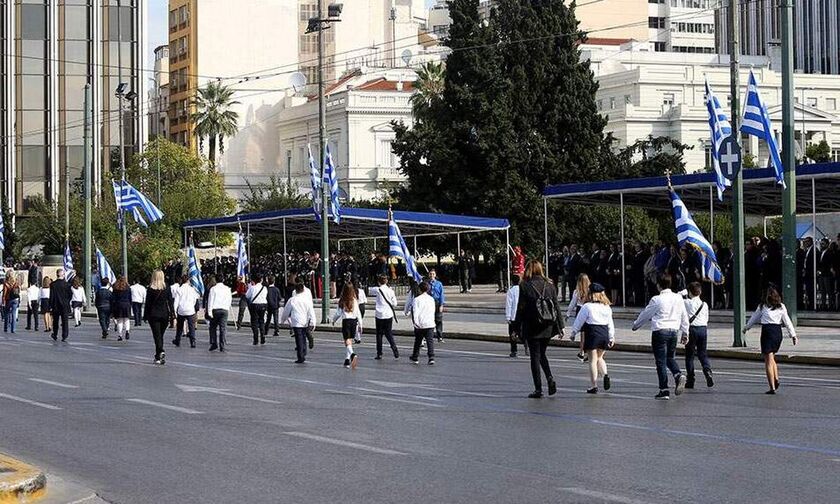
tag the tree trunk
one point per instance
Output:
(212, 155)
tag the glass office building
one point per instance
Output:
(50, 50)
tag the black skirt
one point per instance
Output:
(596, 337)
(771, 338)
(348, 328)
(45, 305)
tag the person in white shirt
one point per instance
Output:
(77, 300)
(772, 314)
(33, 295)
(138, 297)
(257, 296)
(173, 291)
(219, 300)
(384, 315)
(597, 319)
(351, 321)
(360, 295)
(299, 312)
(511, 300)
(668, 320)
(698, 320)
(423, 317)
(307, 295)
(186, 305)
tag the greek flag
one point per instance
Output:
(2, 233)
(331, 179)
(69, 272)
(104, 268)
(398, 248)
(689, 234)
(194, 271)
(757, 123)
(241, 257)
(720, 129)
(128, 198)
(315, 183)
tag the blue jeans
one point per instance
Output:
(104, 315)
(664, 344)
(300, 342)
(10, 314)
(697, 338)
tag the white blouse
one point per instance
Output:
(766, 315)
(340, 314)
(595, 314)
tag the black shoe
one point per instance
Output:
(378, 357)
(593, 390)
(119, 338)
(414, 360)
(262, 340)
(256, 342)
(689, 382)
(237, 324)
(127, 336)
(771, 392)
(431, 362)
(54, 337)
(678, 389)
(710, 381)
(221, 349)
(396, 355)
(512, 355)
(607, 383)
(276, 334)
(213, 347)
(347, 363)
(192, 344)
(537, 394)
(440, 340)
(581, 356)
(104, 334)
(63, 339)
(552, 387)
(176, 343)
(663, 395)
(300, 361)
(158, 362)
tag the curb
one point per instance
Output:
(20, 482)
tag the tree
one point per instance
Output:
(819, 153)
(654, 156)
(213, 118)
(429, 87)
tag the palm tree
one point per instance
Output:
(213, 118)
(429, 86)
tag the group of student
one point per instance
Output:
(533, 319)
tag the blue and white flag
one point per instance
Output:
(757, 123)
(2, 233)
(194, 271)
(129, 199)
(104, 268)
(720, 128)
(331, 179)
(688, 234)
(398, 248)
(69, 272)
(315, 183)
(241, 257)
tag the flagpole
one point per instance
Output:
(789, 242)
(739, 293)
(325, 185)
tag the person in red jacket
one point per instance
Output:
(518, 261)
(241, 289)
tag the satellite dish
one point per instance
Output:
(406, 56)
(297, 81)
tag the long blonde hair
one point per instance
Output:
(534, 268)
(600, 297)
(582, 288)
(157, 282)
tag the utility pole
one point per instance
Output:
(120, 100)
(88, 228)
(393, 37)
(325, 186)
(789, 244)
(738, 291)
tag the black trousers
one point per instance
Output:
(158, 327)
(419, 335)
(218, 328)
(32, 313)
(137, 311)
(272, 313)
(384, 328)
(243, 305)
(60, 316)
(258, 322)
(539, 359)
(300, 334)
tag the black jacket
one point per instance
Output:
(159, 305)
(103, 298)
(273, 297)
(60, 296)
(527, 321)
(121, 304)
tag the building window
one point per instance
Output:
(308, 11)
(627, 99)
(831, 103)
(612, 102)
(812, 102)
(659, 46)
(835, 155)
(309, 43)
(183, 14)
(656, 22)
(173, 20)
(668, 99)
(600, 104)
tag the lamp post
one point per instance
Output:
(319, 24)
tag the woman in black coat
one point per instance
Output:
(159, 312)
(531, 326)
(121, 307)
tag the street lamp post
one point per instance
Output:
(121, 97)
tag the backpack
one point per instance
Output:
(546, 306)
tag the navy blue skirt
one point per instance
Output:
(596, 337)
(771, 338)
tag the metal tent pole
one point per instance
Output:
(507, 255)
(712, 234)
(545, 234)
(621, 252)
(215, 251)
(285, 254)
(458, 252)
(248, 248)
(814, 234)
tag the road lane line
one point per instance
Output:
(595, 494)
(341, 442)
(166, 406)
(382, 398)
(224, 392)
(54, 384)
(422, 398)
(27, 401)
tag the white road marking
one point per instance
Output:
(27, 401)
(341, 442)
(595, 494)
(224, 392)
(429, 387)
(131, 362)
(165, 406)
(54, 384)
(383, 398)
(422, 398)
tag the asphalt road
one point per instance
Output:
(252, 426)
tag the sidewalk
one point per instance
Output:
(20, 482)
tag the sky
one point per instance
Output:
(159, 20)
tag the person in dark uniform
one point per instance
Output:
(464, 272)
(574, 267)
(825, 275)
(614, 273)
(60, 295)
(273, 305)
(807, 273)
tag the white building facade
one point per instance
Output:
(644, 93)
(685, 26)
